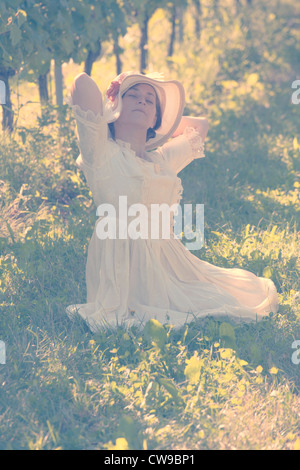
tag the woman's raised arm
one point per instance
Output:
(200, 123)
(86, 94)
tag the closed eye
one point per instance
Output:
(136, 96)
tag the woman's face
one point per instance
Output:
(139, 106)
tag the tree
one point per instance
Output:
(117, 52)
(176, 9)
(173, 30)
(141, 12)
(198, 15)
(8, 114)
(11, 25)
(33, 33)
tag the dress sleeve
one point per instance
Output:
(92, 134)
(183, 149)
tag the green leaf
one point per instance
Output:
(21, 17)
(268, 272)
(172, 389)
(121, 444)
(154, 332)
(226, 353)
(193, 369)
(129, 429)
(10, 231)
(227, 335)
(15, 35)
(256, 354)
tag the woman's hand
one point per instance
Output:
(86, 94)
(200, 123)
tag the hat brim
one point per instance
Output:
(172, 100)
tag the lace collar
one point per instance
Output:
(127, 145)
(145, 160)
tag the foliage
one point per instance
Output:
(34, 33)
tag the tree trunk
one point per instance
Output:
(8, 114)
(180, 12)
(216, 8)
(58, 82)
(43, 88)
(117, 50)
(144, 44)
(173, 32)
(91, 58)
(198, 19)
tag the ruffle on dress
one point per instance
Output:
(180, 151)
(195, 140)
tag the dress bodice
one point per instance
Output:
(113, 170)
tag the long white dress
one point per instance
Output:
(130, 281)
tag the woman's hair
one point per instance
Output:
(151, 131)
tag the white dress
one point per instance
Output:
(130, 281)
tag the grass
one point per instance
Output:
(207, 386)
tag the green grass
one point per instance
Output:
(207, 386)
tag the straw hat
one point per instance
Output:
(170, 93)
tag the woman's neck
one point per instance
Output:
(135, 137)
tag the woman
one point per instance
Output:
(126, 150)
